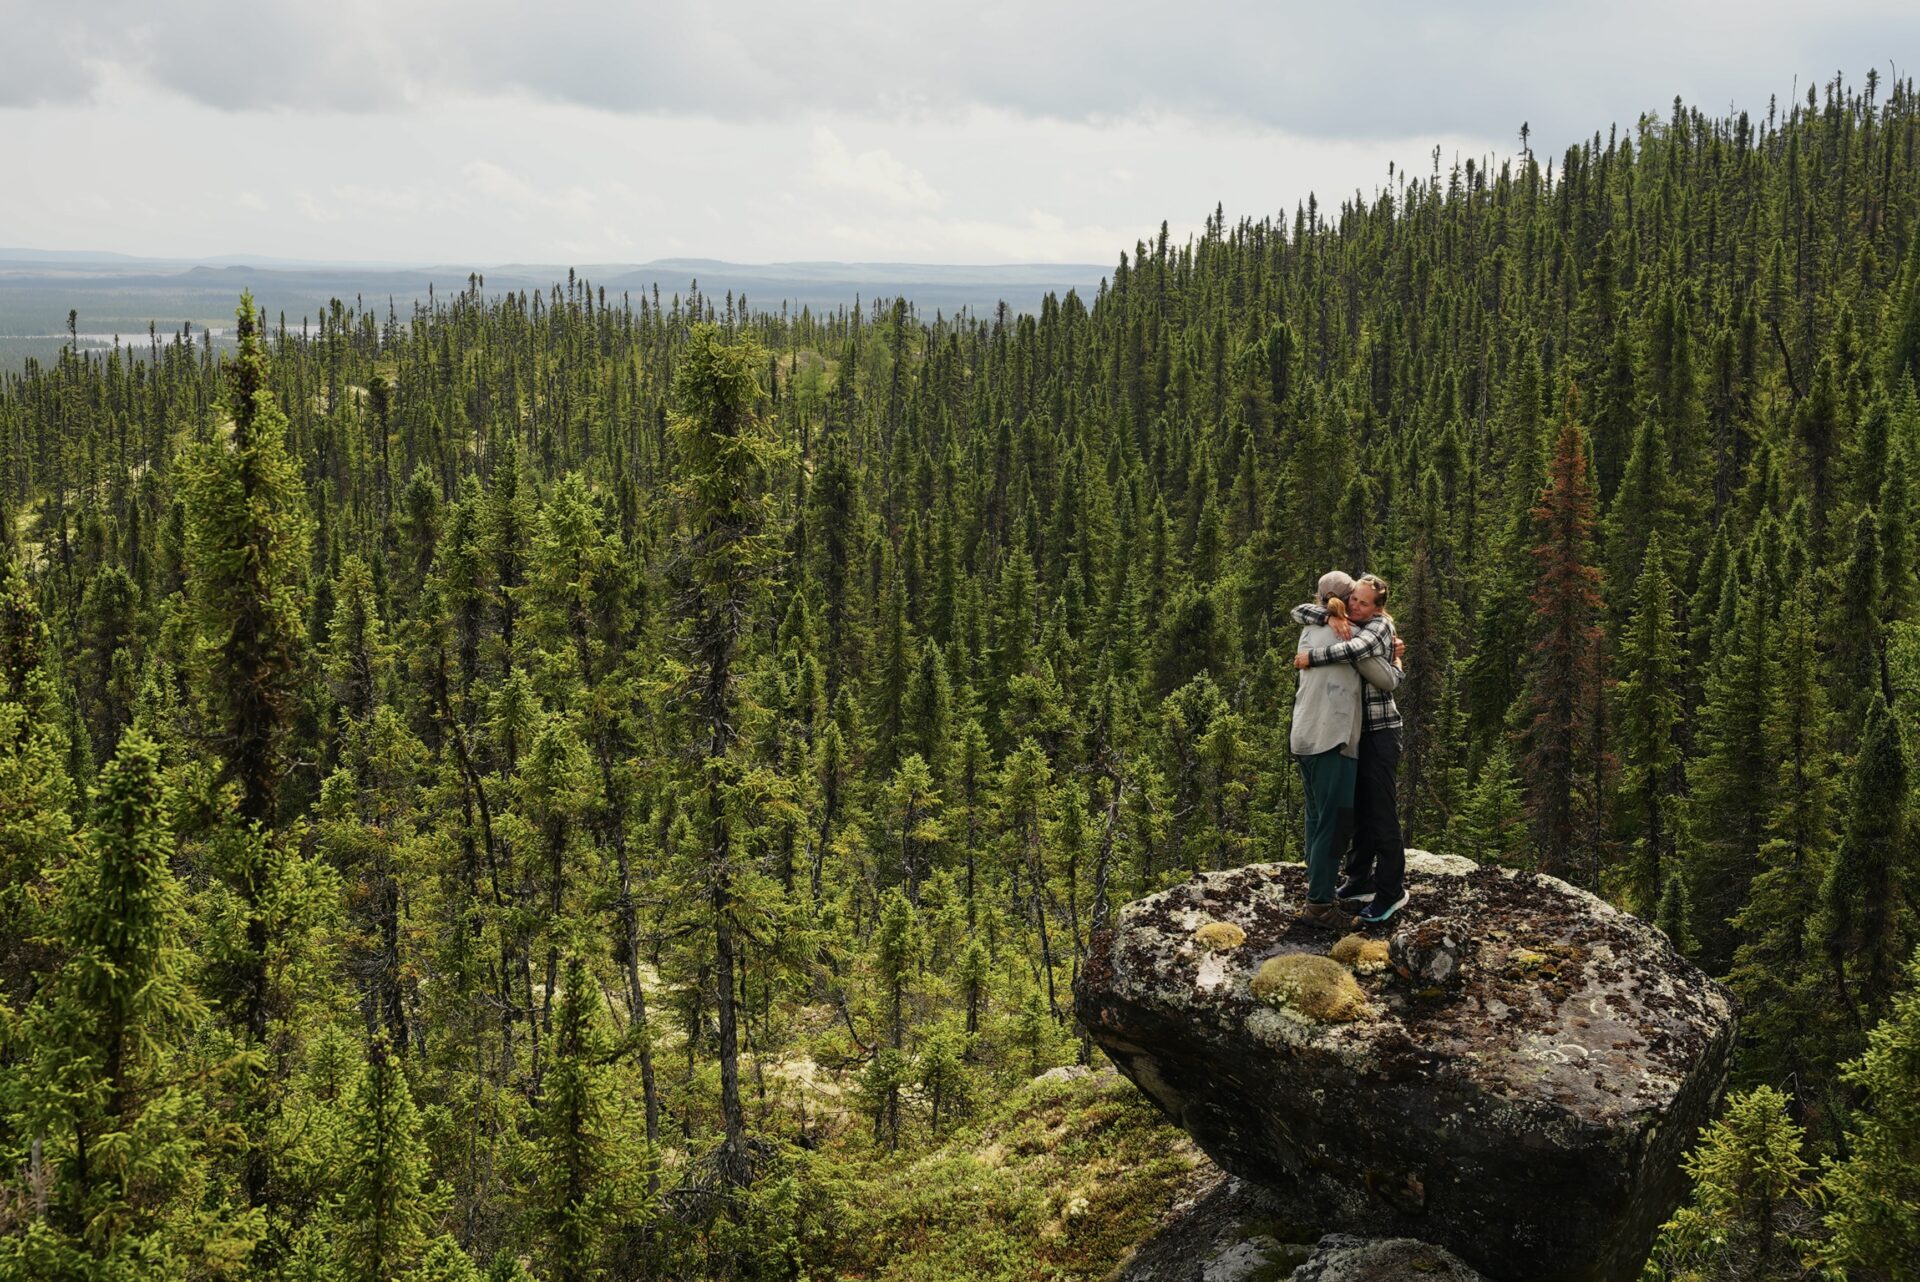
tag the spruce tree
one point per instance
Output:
(247, 530)
(387, 1204)
(1745, 1218)
(36, 813)
(246, 558)
(1903, 333)
(1674, 916)
(892, 675)
(1733, 773)
(1564, 749)
(913, 835)
(1645, 509)
(930, 709)
(110, 627)
(1864, 920)
(1873, 1193)
(833, 524)
(1491, 824)
(1425, 696)
(1859, 648)
(578, 1174)
(1817, 442)
(1648, 713)
(557, 791)
(897, 952)
(1898, 509)
(725, 454)
(1776, 971)
(1025, 802)
(109, 1087)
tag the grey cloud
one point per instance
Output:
(1359, 70)
(39, 58)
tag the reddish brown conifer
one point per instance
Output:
(1565, 759)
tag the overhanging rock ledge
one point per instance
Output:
(1530, 1115)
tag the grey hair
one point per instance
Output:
(1333, 583)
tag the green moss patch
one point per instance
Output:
(1314, 987)
(1366, 956)
(1219, 936)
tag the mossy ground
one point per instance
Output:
(1059, 1182)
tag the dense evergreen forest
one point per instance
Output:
(570, 786)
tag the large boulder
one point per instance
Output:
(1529, 1113)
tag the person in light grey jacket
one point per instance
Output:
(1328, 716)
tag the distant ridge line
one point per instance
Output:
(808, 267)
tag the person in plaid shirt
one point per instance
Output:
(1376, 865)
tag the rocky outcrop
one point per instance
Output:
(1340, 1258)
(1223, 1230)
(1521, 1096)
(1226, 1229)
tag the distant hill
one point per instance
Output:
(120, 294)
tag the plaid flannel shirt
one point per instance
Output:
(1375, 637)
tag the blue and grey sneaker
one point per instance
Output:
(1376, 912)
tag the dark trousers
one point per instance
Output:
(1329, 790)
(1379, 851)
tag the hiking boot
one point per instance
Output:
(1377, 912)
(1329, 916)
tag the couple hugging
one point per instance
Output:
(1346, 737)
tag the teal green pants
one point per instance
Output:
(1329, 778)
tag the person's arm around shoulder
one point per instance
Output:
(1311, 614)
(1379, 665)
(1378, 673)
(1369, 639)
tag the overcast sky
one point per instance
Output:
(588, 131)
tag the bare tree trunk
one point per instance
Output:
(637, 1002)
(1103, 866)
(733, 1115)
(1037, 875)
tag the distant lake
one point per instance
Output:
(125, 340)
(17, 349)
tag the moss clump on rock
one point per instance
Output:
(1366, 956)
(1315, 987)
(1219, 936)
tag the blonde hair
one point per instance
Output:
(1379, 586)
(1336, 607)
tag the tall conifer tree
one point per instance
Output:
(1566, 677)
(725, 453)
(1649, 715)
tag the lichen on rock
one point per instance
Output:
(1318, 988)
(1219, 936)
(1432, 953)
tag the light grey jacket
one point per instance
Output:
(1327, 708)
